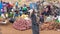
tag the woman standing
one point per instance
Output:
(35, 26)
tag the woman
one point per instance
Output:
(35, 26)
(24, 8)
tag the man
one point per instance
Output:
(35, 26)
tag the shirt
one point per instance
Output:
(45, 13)
(33, 18)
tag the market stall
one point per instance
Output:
(23, 23)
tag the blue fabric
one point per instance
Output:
(0, 12)
(1, 5)
(16, 15)
(33, 5)
(16, 3)
(21, 13)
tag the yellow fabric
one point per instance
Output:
(6, 15)
(24, 16)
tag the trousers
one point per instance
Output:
(35, 29)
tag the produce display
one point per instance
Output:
(48, 26)
(22, 24)
(16, 14)
(51, 25)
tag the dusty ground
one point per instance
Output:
(50, 32)
(8, 29)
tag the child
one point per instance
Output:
(41, 19)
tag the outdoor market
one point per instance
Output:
(30, 16)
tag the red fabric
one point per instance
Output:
(22, 24)
(9, 5)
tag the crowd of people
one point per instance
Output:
(21, 17)
(45, 16)
(10, 10)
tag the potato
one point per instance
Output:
(50, 27)
(46, 25)
(42, 27)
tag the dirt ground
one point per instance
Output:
(50, 32)
(8, 29)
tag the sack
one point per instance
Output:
(49, 19)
